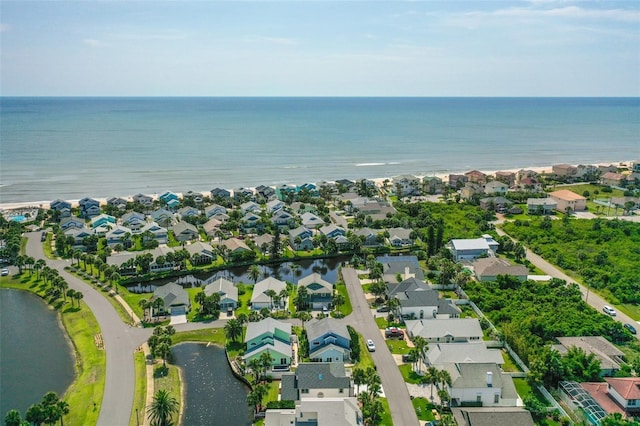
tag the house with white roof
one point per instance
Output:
(227, 290)
(481, 383)
(311, 221)
(440, 354)
(201, 253)
(269, 336)
(320, 291)
(175, 298)
(469, 249)
(316, 380)
(117, 235)
(451, 330)
(318, 411)
(259, 297)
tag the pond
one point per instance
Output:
(36, 356)
(213, 395)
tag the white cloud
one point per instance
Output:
(93, 42)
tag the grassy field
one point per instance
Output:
(509, 364)
(84, 396)
(213, 335)
(168, 379)
(397, 346)
(386, 415)
(423, 408)
(409, 375)
(345, 308)
(140, 393)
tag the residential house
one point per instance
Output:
(285, 192)
(508, 178)
(591, 399)
(311, 221)
(493, 416)
(320, 291)
(269, 336)
(566, 170)
(529, 184)
(587, 171)
(160, 263)
(635, 169)
(266, 192)
(409, 283)
(142, 199)
(451, 330)
(201, 253)
(440, 354)
(432, 185)
(250, 222)
(333, 231)
(197, 197)
(457, 181)
(470, 189)
(497, 204)
(227, 290)
(89, 207)
(400, 237)
(78, 235)
(274, 205)
(329, 340)
(260, 299)
(475, 176)
(407, 185)
(423, 303)
(214, 209)
(488, 269)
(625, 391)
(175, 298)
(484, 384)
(301, 208)
(184, 231)
(235, 246)
(133, 220)
(318, 411)
(162, 217)
(282, 218)
(188, 211)
(406, 266)
(103, 220)
(569, 201)
(375, 208)
(469, 249)
(250, 207)
(71, 222)
(219, 193)
(316, 380)
(495, 187)
(243, 194)
(260, 240)
(612, 179)
(610, 357)
(212, 227)
(167, 196)
(119, 235)
(544, 206)
(117, 202)
(301, 238)
(59, 204)
(369, 237)
(154, 231)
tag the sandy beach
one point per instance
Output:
(26, 206)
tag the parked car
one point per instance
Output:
(609, 310)
(4, 272)
(631, 328)
(393, 332)
(43, 236)
(371, 346)
(383, 308)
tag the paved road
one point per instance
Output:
(591, 298)
(395, 389)
(120, 341)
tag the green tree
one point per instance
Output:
(13, 418)
(163, 408)
(233, 329)
(254, 273)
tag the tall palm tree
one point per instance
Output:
(284, 297)
(144, 305)
(358, 378)
(39, 265)
(444, 378)
(163, 408)
(254, 273)
(421, 344)
(71, 293)
(13, 418)
(271, 293)
(233, 329)
(63, 409)
(431, 378)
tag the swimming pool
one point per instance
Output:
(18, 218)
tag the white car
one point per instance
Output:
(371, 346)
(609, 310)
(4, 272)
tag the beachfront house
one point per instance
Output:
(568, 201)
(227, 290)
(320, 292)
(272, 337)
(508, 178)
(432, 185)
(260, 297)
(316, 380)
(476, 176)
(89, 207)
(407, 185)
(267, 193)
(564, 170)
(220, 193)
(329, 340)
(457, 181)
(143, 200)
(469, 249)
(59, 204)
(117, 202)
(175, 298)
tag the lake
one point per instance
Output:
(35, 355)
(214, 396)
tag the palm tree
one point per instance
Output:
(63, 409)
(358, 378)
(144, 305)
(338, 300)
(284, 297)
(431, 378)
(444, 378)
(13, 418)
(233, 329)
(301, 301)
(254, 273)
(157, 304)
(421, 344)
(271, 293)
(163, 408)
(71, 293)
(39, 265)
(78, 296)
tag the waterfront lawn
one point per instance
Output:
(213, 335)
(168, 379)
(245, 300)
(345, 308)
(423, 408)
(84, 396)
(140, 393)
(409, 375)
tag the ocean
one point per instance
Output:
(70, 148)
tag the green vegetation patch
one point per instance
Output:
(423, 408)
(409, 375)
(386, 419)
(397, 346)
(140, 392)
(345, 308)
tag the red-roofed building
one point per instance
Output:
(476, 176)
(612, 179)
(626, 392)
(569, 201)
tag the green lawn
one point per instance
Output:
(386, 415)
(245, 300)
(524, 389)
(167, 379)
(140, 393)
(345, 308)
(423, 408)
(397, 346)
(84, 396)
(213, 335)
(409, 375)
(509, 364)
(365, 356)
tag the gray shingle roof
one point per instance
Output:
(318, 328)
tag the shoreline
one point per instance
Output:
(28, 205)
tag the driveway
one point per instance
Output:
(395, 388)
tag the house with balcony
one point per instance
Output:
(568, 201)
(301, 238)
(481, 384)
(143, 200)
(227, 290)
(260, 299)
(184, 231)
(495, 187)
(282, 218)
(470, 249)
(316, 380)
(119, 235)
(407, 185)
(71, 222)
(541, 206)
(219, 193)
(311, 221)
(103, 220)
(156, 232)
(400, 237)
(477, 177)
(272, 337)
(188, 211)
(201, 253)
(320, 292)
(508, 178)
(329, 340)
(214, 209)
(162, 217)
(133, 220)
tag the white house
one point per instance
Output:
(260, 299)
(469, 249)
(446, 330)
(481, 383)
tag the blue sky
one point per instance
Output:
(355, 48)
